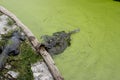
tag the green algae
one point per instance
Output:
(94, 53)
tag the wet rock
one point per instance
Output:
(40, 71)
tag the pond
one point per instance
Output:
(94, 51)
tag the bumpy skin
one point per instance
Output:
(12, 48)
(58, 42)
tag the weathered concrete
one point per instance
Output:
(13, 74)
(40, 71)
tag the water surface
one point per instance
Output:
(95, 51)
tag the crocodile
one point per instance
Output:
(58, 42)
(11, 48)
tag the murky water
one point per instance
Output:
(94, 53)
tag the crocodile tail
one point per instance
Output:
(74, 31)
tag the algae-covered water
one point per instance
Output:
(95, 50)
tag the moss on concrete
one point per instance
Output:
(22, 62)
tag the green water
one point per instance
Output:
(95, 50)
